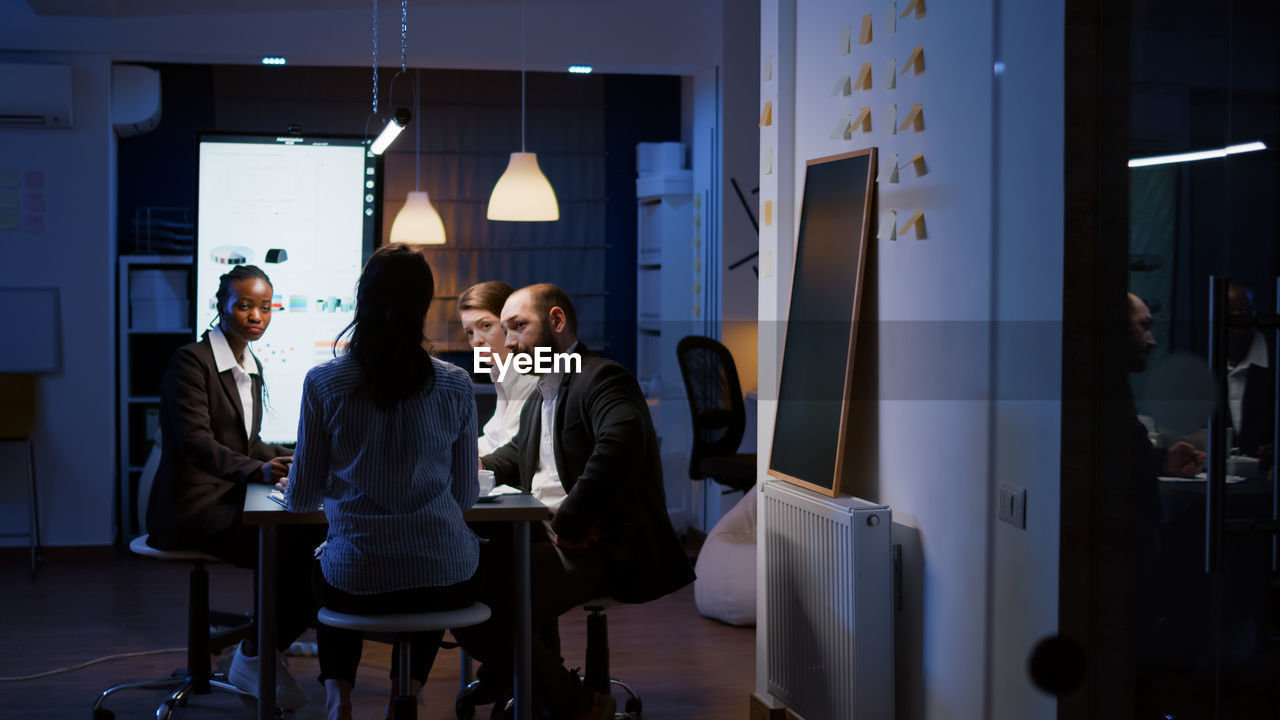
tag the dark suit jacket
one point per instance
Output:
(1258, 407)
(206, 461)
(606, 453)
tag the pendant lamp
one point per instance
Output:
(523, 192)
(417, 223)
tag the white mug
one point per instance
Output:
(486, 481)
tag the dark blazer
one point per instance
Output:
(1257, 409)
(606, 453)
(205, 461)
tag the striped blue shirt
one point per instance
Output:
(394, 482)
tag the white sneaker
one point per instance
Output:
(244, 675)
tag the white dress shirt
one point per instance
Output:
(240, 370)
(512, 392)
(546, 485)
(1237, 375)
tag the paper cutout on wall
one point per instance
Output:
(891, 120)
(35, 202)
(864, 78)
(768, 213)
(767, 162)
(9, 200)
(843, 87)
(888, 226)
(864, 35)
(35, 180)
(914, 60)
(766, 115)
(917, 6)
(890, 172)
(844, 41)
(9, 179)
(863, 121)
(917, 161)
(841, 131)
(766, 267)
(9, 221)
(915, 221)
(891, 18)
(697, 287)
(697, 309)
(35, 224)
(890, 74)
(768, 68)
(697, 263)
(914, 119)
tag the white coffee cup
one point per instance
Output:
(486, 481)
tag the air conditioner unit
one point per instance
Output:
(35, 96)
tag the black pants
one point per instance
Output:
(295, 547)
(562, 580)
(340, 649)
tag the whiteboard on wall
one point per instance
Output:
(32, 325)
(305, 211)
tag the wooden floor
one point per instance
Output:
(682, 664)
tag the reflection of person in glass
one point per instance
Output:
(210, 419)
(1250, 383)
(478, 308)
(1181, 459)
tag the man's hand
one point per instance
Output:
(276, 470)
(1183, 460)
(591, 538)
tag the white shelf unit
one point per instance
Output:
(153, 318)
(665, 281)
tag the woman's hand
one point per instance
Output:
(276, 472)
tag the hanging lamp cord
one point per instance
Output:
(523, 11)
(375, 57)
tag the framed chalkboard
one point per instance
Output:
(809, 433)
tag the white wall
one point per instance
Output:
(978, 593)
(75, 435)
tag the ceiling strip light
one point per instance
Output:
(1198, 155)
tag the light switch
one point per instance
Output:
(1013, 505)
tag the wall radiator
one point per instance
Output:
(829, 604)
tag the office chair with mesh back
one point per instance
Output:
(719, 414)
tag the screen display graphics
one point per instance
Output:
(303, 209)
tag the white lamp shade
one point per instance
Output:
(523, 193)
(418, 223)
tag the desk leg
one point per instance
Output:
(524, 627)
(266, 622)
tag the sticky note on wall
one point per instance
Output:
(915, 222)
(863, 121)
(916, 6)
(841, 131)
(766, 162)
(768, 213)
(917, 162)
(843, 87)
(864, 35)
(891, 119)
(768, 67)
(864, 78)
(766, 115)
(888, 226)
(914, 119)
(890, 74)
(915, 60)
(843, 48)
(890, 172)
(891, 18)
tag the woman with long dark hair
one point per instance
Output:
(387, 439)
(210, 419)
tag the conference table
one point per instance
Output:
(268, 515)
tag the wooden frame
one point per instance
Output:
(823, 300)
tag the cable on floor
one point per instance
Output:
(95, 661)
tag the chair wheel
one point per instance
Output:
(165, 711)
(634, 707)
(103, 714)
